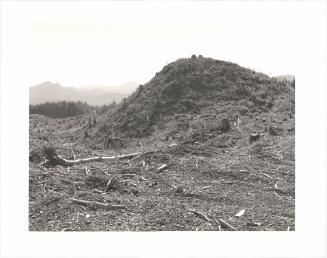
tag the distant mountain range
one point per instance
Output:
(126, 88)
(94, 95)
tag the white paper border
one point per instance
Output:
(307, 241)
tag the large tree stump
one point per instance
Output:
(225, 126)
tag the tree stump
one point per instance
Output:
(225, 126)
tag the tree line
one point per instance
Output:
(105, 108)
(61, 109)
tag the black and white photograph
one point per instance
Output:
(162, 116)
(201, 144)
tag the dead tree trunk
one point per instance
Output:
(55, 159)
(58, 160)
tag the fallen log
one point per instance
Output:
(54, 159)
(97, 191)
(266, 175)
(43, 163)
(224, 224)
(99, 204)
(240, 213)
(200, 215)
(66, 162)
(163, 167)
(206, 187)
(253, 224)
(127, 175)
(218, 224)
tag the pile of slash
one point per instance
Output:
(166, 186)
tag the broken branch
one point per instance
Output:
(218, 224)
(53, 158)
(99, 204)
(73, 154)
(240, 213)
(200, 215)
(224, 224)
(127, 175)
(266, 175)
(206, 187)
(163, 167)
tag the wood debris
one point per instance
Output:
(266, 175)
(98, 204)
(218, 224)
(73, 154)
(226, 225)
(253, 224)
(206, 187)
(55, 159)
(200, 215)
(162, 167)
(240, 213)
(111, 184)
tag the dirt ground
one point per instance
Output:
(205, 182)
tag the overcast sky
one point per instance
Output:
(111, 43)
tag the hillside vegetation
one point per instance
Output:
(60, 109)
(204, 88)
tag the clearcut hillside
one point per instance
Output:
(202, 89)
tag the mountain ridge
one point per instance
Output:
(125, 88)
(49, 91)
